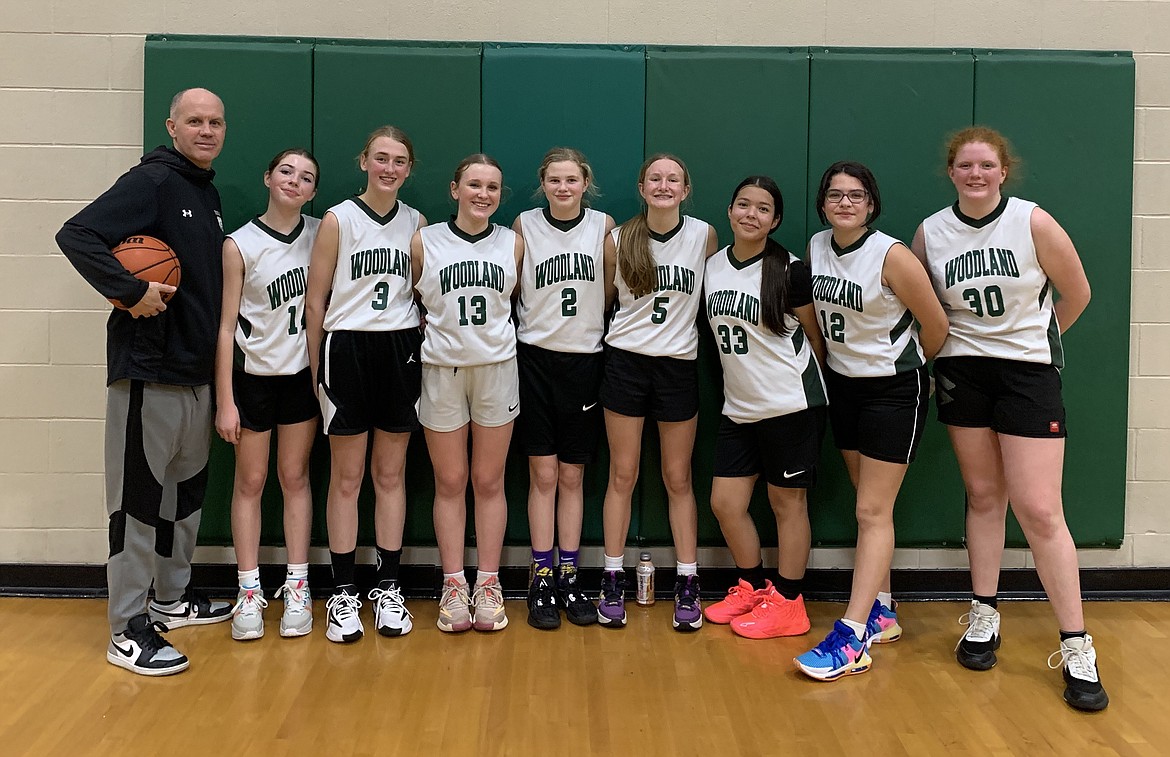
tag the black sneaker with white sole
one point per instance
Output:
(142, 650)
(542, 601)
(192, 609)
(579, 609)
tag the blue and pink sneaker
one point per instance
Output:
(840, 654)
(882, 626)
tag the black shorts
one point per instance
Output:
(1008, 396)
(265, 402)
(644, 386)
(559, 409)
(785, 448)
(879, 416)
(370, 380)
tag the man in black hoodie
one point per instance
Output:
(160, 359)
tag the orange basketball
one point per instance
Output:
(149, 259)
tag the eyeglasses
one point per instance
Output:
(856, 196)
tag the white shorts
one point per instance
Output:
(451, 397)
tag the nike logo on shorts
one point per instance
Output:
(587, 408)
(792, 475)
(512, 408)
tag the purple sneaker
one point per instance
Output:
(611, 607)
(688, 612)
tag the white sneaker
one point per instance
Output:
(142, 650)
(343, 623)
(248, 614)
(297, 619)
(391, 617)
(977, 645)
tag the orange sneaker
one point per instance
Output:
(774, 616)
(740, 600)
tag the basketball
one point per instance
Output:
(149, 259)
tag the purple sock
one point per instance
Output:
(543, 559)
(568, 558)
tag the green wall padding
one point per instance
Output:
(1070, 117)
(727, 112)
(707, 124)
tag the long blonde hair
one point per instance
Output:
(635, 262)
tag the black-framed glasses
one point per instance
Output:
(856, 196)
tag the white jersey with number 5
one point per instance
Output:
(270, 329)
(562, 289)
(868, 330)
(662, 323)
(372, 287)
(466, 286)
(996, 296)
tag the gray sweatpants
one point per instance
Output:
(157, 441)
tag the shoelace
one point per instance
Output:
(978, 625)
(489, 595)
(612, 593)
(344, 606)
(149, 638)
(833, 646)
(296, 598)
(252, 600)
(688, 594)
(1080, 664)
(454, 593)
(390, 600)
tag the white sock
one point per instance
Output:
(886, 599)
(249, 579)
(483, 576)
(857, 628)
(459, 578)
(686, 568)
(297, 572)
(614, 564)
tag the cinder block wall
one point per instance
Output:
(70, 123)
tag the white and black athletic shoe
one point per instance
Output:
(391, 617)
(342, 623)
(193, 609)
(140, 649)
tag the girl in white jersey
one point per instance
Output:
(868, 290)
(759, 306)
(363, 334)
(466, 272)
(563, 285)
(650, 372)
(262, 381)
(995, 262)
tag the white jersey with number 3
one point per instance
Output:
(868, 330)
(270, 329)
(372, 287)
(662, 323)
(466, 286)
(996, 296)
(562, 286)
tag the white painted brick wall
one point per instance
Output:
(70, 123)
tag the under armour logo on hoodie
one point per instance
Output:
(187, 213)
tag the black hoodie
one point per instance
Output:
(168, 197)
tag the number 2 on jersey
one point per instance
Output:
(568, 302)
(478, 310)
(833, 324)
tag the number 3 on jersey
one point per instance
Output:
(733, 339)
(833, 324)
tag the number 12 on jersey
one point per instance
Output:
(833, 324)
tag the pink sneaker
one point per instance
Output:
(740, 600)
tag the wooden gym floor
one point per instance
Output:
(642, 691)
